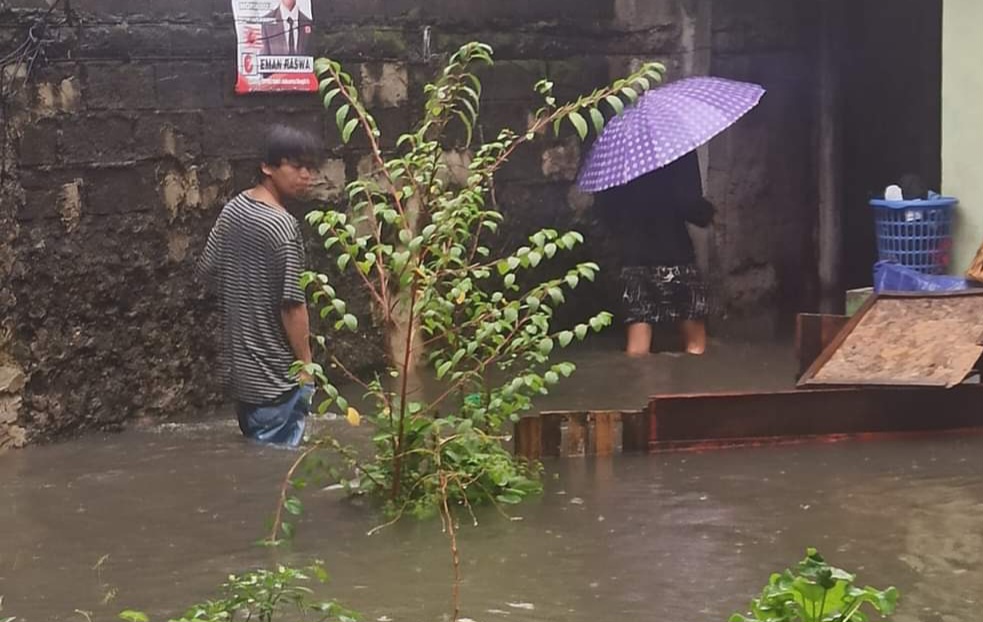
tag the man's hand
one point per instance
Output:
(297, 326)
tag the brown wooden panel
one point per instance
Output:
(552, 434)
(529, 438)
(813, 333)
(680, 420)
(576, 436)
(904, 340)
(604, 432)
(634, 431)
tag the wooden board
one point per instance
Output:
(581, 433)
(929, 340)
(813, 333)
(715, 420)
(707, 421)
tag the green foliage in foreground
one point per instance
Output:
(817, 592)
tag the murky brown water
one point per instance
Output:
(669, 537)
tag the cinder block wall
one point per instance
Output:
(123, 146)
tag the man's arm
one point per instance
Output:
(293, 303)
(297, 326)
(207, 264)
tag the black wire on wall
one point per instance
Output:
(18, 66)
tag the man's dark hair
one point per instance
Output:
(289, 144)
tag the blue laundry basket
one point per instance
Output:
(915, 234)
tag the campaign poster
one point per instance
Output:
(274, 38)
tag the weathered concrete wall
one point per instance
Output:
(762, 172)
(130, 139)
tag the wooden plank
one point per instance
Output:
(552, 434)
(837, 341)
(634, 431)
(715, 419)
(912, 339)
(569, 434)
(604, 432)
(529, 438)
(575, 436)
(813, 333)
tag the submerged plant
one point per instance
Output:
(817, 592)
(8, 618)
(415, 234)
(264, 596)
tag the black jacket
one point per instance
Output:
(647, 217)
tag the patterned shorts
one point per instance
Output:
(663, 294)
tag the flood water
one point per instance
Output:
(155, 519)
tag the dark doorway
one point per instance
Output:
(892, 115)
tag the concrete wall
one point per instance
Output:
(762, 171)
(962, 123)
(122, 149)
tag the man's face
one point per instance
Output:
(289, 4)
(292, 180)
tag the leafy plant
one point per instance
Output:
(9, 618)
(816, 592)
(416, 237)
(264, 596)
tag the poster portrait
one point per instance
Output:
(274, 46)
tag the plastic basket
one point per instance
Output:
(915, 234)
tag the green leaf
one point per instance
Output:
(630, 93)
(343, 260)
(580, 330)
(534, 258)
(294, 506)
(598, 120)
(565, 338)
(616, 104)
(443, 368)
(579, 124)
(287, 529)
(565, 369)
(130, 616)
(341, 115)
(346, 134)
(329, 97)
(351, 322)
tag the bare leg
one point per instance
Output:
(695, 335)
(639, 339)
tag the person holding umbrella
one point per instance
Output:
(645, 164)
(662, 284)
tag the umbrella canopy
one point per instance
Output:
(665, 124)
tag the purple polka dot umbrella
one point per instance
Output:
(664, 125)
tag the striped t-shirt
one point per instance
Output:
(253, 260)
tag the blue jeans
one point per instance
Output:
(280, 423)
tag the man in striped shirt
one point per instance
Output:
(253, 261)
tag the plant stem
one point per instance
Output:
(455, 556)
(398, 446)
(278, 517)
